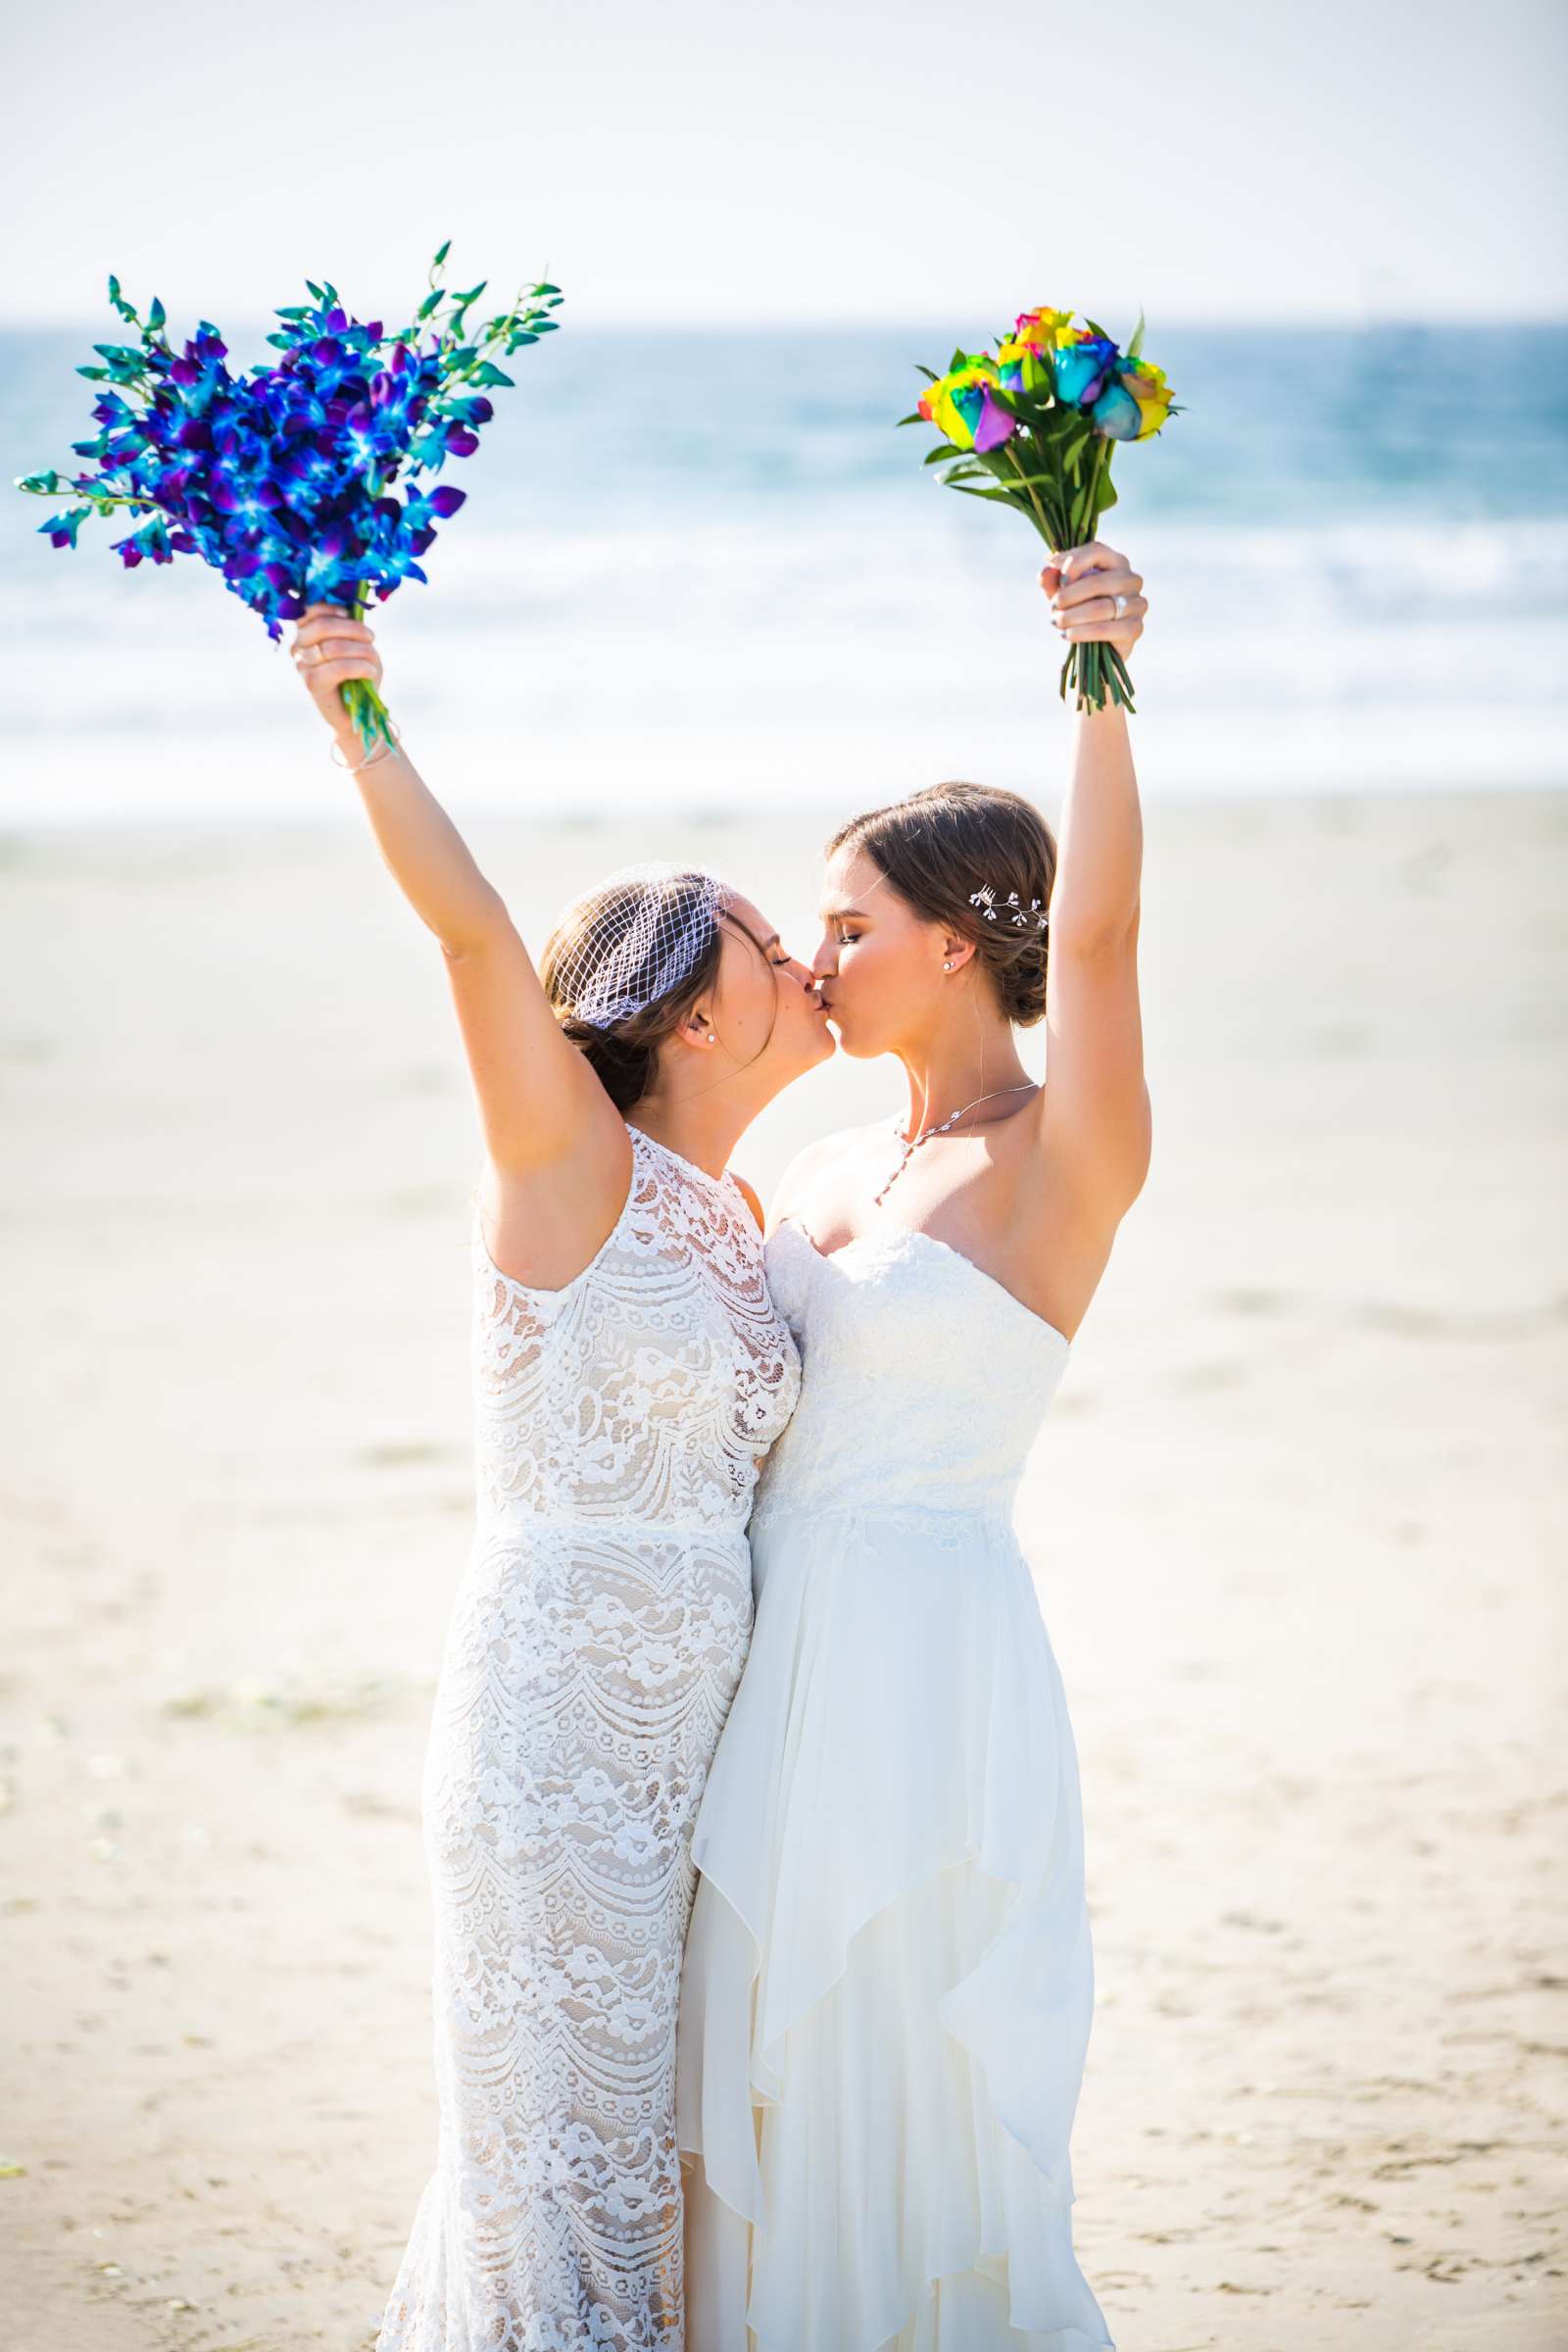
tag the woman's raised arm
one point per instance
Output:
(538, 1099)
(1097, 1120)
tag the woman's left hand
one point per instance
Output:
(1083, 588)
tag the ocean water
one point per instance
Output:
(703, 572)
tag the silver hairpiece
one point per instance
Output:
(1020, 916)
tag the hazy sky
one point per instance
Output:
(716, 160)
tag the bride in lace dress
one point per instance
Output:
(629, 1373)
(888, 1984)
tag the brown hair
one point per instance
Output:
(940, 847)
(623, 1055)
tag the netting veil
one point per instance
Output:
(634, 938)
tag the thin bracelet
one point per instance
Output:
(351, 768)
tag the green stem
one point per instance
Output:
(1029, 488)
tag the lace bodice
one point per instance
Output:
(647, 1389)
(596, 1642)
(925, 1381)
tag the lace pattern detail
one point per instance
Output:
(596, 1642)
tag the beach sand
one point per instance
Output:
(1298, 1521)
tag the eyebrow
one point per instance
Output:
(834, 911)
(761, 945)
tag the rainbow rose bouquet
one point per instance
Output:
(281, 478)
(1031, 424)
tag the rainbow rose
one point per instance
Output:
(1024, 356)
(960, 404)
(1136, 405)
(1083, 364)
(1033, 425)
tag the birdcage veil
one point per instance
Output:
(633, 939)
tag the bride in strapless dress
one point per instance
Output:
(888, 1979)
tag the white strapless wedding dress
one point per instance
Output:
(888, 1982)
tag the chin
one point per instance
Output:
(852, 1044)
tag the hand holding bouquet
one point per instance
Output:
(334, 650)
(281, 478)
(1031, 426)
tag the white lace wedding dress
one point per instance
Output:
(595, 1644)
(888, 1987)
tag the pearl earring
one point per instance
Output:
(947, 964)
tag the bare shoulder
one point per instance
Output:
(750, 1199)
(814, 1167)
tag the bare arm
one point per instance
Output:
(537, 1097)
(1097, 1120)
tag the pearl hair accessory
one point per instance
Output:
(985, 897)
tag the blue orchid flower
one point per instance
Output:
(279, 478)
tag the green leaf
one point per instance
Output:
(431, 302)
(548, 289)
(1003, 497)
(942, 451)
(930, 374)
(491, 376)
(316, 289)
(1137, 343)
(442, 254)
(97, 375)
(1032, 481)
(155, 317)
(914, 417)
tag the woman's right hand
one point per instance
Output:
(330, 647)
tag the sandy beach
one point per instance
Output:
(1298, 1520)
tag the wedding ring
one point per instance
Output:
(1121, 605)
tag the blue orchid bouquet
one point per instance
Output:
(281, 477)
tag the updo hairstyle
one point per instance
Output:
(941, 847)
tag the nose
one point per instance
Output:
(825, 963)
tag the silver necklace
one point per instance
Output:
(912, 1143)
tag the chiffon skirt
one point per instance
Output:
(888, 1981)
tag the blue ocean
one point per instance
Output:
(703, 570)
